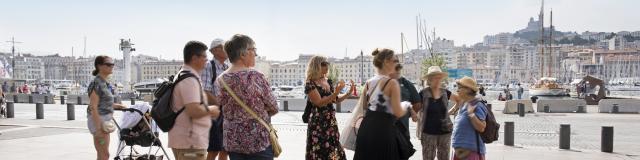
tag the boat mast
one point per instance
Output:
(541, 41)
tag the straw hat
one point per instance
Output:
(434, 71)
(468, 82)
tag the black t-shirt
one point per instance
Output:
(436, 113)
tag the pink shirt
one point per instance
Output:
(187, 132)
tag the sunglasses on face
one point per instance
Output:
(108, 64)
(324, 64)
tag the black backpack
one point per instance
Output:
(161, 112)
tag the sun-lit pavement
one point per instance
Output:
(536, 135)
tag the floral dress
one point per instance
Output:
(322, 132)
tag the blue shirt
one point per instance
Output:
(464, 135)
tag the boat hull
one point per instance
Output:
(548, 92)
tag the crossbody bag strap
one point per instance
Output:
(245, 107)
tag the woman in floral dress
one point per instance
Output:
(322, 132)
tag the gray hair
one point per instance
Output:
(237, 46)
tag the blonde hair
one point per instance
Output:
(314, 68)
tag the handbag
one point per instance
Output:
(273, 137)
(405, 148)
(349, 134)
(108, 126)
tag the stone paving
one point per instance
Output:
(536, 135)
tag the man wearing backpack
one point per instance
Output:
(212, 70)
(469, 123)
(189, 136)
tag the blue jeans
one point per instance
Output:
(267, 154)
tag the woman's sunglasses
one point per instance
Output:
(108, 64)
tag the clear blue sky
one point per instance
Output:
(283, 29)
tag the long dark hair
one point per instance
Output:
(99, 60)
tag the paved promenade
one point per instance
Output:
(536, 135)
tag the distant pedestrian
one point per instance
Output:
(377, 136)
(520, 91)
(244, 136)
(467, 143)
(101, 105)
(5, 86)
(189, 137)
(214, 68)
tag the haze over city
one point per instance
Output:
(284, 29)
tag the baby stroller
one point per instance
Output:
(137, 129)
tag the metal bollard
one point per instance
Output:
(615, 108)
(286, 105)
(582, 109)
(15, 98)
(10, 110)
(508, 133)
(61, 99)
(546, 108)
(133, 101)
(607, 139)
(71, 112)
(39, 111)
(79, 100)
(521, 109)
(338, 107)
(489, 106)
(565, 136)
(30, 98)
(46, 99)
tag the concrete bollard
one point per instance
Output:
(508, 133)
(39, 111)
(30, 98)
(582, 109)
(565, 136)
(615, 108)
(521, 109)
(338, 107)
(15, 98)
(61, 99)
(607, 139)
(133, 101)
(546, 108)
(10, 110)
(71, 112)
(286, 105)
(79, 100)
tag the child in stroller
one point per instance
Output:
(138, 129)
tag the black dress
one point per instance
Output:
(377, 134)
(322, 132)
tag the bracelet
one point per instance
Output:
(471, 115)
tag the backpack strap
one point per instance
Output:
(214, 70)
(182, 76)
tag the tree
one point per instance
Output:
(334, 73)
(436, 60)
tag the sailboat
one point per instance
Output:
(547, 85)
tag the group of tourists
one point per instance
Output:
(227, 107)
